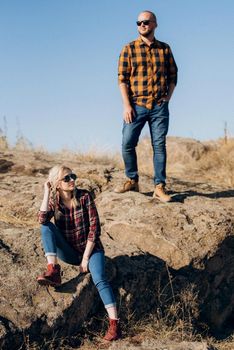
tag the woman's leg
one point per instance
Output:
(55, 245)
(97, 270)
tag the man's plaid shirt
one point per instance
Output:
(78, 224)
(147, 70)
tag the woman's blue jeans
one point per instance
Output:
(158, 120)
(55, 244)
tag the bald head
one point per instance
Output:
(151, 15)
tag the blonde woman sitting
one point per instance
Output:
(74, 237)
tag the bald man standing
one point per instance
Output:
(147, 75)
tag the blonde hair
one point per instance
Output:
(54, 177)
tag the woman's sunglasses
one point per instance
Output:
(69, 177)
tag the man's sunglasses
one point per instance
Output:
(69, 177)
(146, 22)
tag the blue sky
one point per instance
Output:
(58, 71)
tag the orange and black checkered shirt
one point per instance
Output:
(147, 70)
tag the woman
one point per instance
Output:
(74, 237)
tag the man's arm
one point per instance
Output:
(171, 76)
(171, 89)
(128, 112)
(172, 73)
(167, 97)
(124, 72)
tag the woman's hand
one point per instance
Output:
(84, 264)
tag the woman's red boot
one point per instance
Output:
(114, 331)
(52, 277)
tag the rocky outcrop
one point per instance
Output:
(154, 251)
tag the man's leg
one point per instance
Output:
(131, 133)
(158, 123)
(130, 137)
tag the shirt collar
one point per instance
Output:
(155, 43)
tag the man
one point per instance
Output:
(147, 75)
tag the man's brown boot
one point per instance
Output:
(114, 331)
(129, 185)
(52, 277)
(161, 194)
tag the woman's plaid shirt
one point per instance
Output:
(78, 224)
(147, 70)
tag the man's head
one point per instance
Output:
(147, 23)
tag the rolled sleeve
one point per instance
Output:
(45, 216)
(124, 67)
(172, 68)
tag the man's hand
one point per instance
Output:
(84, 264)
(165, 98)
(128, 114)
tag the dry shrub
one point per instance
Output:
(174, 319)
(3, 143)
(94, 156)
(218, 163)
(212, 161)
(23, 144)
(227, 344)
(97, 157)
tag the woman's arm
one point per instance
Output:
(45, 213)
(94, 222)
(85, 260)
(94, 231)
(45, 201)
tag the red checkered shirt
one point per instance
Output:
(79, 224)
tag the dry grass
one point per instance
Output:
(218, 163)
(212, 161)
(172, 322)
(94, 155)
(3, 143)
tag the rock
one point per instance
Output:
(155, 251)
(5, 165)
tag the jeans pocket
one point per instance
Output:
(164, 109)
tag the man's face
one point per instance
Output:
(146, 29)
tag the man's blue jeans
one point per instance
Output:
(55, 244)
(158, 120)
